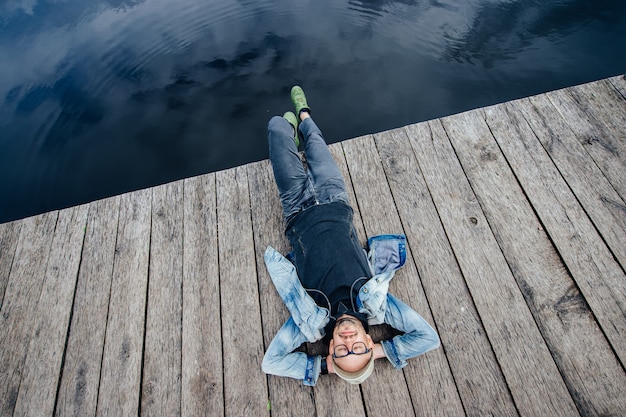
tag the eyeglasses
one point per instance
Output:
(358, 348)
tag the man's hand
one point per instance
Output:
(378, 351)
(329, 364)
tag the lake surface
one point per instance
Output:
(100, 97)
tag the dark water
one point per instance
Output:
(99, 97)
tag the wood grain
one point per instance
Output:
(42, 370)
(598, 141)
(602, 102)
(162, 361)
(245, 387)
(120, 378)
(526, 363)
(619, 83)
(479, 380)
(565, 320)
(285, 394)
(601, 202)
(202, 388)
(20, 303)
(593, 267)
(380, 216)
(9, 234)
(78, 391)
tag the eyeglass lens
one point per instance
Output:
(358, 348)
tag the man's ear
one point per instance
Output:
(370, 342)
(331, 346)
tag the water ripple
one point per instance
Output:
(163, 89)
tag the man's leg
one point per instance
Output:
(327, 180)
(325, 174)
(294, 186)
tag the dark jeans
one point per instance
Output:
(300, 189)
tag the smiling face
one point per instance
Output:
(348, 332)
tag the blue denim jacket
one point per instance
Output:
(386, 255)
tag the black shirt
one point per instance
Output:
(330, 261)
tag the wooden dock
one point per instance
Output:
(158, 303)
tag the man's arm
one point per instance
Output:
(281, 360)
(418, 338)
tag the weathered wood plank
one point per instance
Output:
(334, 397)
(42, 368)
(619, 83)
(285, 394)
(395, 399)
(601, 101)
(202, 385)
(564, 319)
(9, 234)
(78, 391)
(20, 303)
(526, 363)
(591, 264)
(411, 396)
(597, 140)
(245, 387)
(479, 380)
(599, 199)
(337, 151)
(162, 362)
(120, 380)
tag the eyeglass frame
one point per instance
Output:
(351, 352)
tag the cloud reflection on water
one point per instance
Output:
(107, 96)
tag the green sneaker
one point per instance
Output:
(299, 100)
(293, 121)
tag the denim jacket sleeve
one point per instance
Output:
(280, 358)
(418, 336)
(388, 254)
(306, 323)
